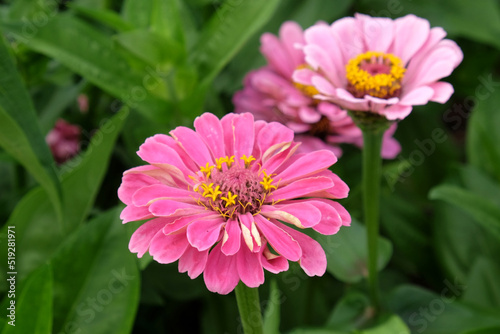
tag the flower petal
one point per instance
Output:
(306, 165)
(221, 273)
(141, 239)
(193, 261)
(272, 262)
(231, 240)
(204, 233)
(193, 145)
(210, 130)
(280, 240)
(168, 248)
(300, 214)
(166, 207)
(249, 267)
(132, 213)
(145, 195)
(301, 188)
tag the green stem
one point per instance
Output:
(249, 307)
(372, 165)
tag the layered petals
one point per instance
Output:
(228, 200)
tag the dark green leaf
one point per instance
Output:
(437, 313)
(90, 53)
(20, 133)
(347, 253)
(482, 284)
(34, 218)
(34, 303)
(107, 17)
(483, 136)
(392, 325)
(229, 28)
(481, 209)
(350, 312)
(96, 284)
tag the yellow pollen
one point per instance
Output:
(247, 160)
(229, 160)
(219, 162)
(305, 89)
(207, 169)
(230, 199)
(207, 189)
(266, 182)
(216, 192)
(381, 85)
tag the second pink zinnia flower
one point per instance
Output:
(229, 200)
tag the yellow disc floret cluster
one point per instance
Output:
(228, 187)
(381, 85)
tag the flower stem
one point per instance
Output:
(372, 165)
(249, 307)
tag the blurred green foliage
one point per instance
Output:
(147, 66)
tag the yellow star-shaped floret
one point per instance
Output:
(230, 199)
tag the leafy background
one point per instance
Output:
(150, 65)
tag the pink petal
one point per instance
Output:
(276, 55)
(154, 152)
(204, 233)
(411, 33)
(348, 34)
(418, 96)
(281, 241)
(141, 239)
(272, 134)
(303, 76)
(231, 240)
(249, 267)
(273, 263)
(210, 130)
(193, 145)
(193, 261)
(166, 207)
(244, 135)
(397, 111)
(307, 165)
(249, 232)
(442, 91)
(228, 130)
(168, 248)
(175, 224)
(221, 273)
(301, 188)
(145, 195)
(378, 32)
(133, 213)
(313, 259)
(291, 34)
(131, 183)
(301, 214)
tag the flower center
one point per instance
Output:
(230, 188)
(307, 90)
(321, 129)
(376, 74)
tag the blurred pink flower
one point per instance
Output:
(379, 65)
(83, 103)
(271, 95)
(213, 198)
(64, 140)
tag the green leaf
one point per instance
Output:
(480, 208)
(96, 288)
(92, 54)
(151, 47)
(138, 13)
(491, 330)
(483, 136)
(36, 237)
(34, 303)
(392, 325)
(347, 253)
(438, 313)
(272, 311)
(20, 133)
(315, 331)
(226, 32)
(350, 312)
(166, 20)
(104, 16)
(482, 284)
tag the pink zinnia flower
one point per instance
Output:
(271, 95)
(222, 199)
(379, 65)
(64, 140)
